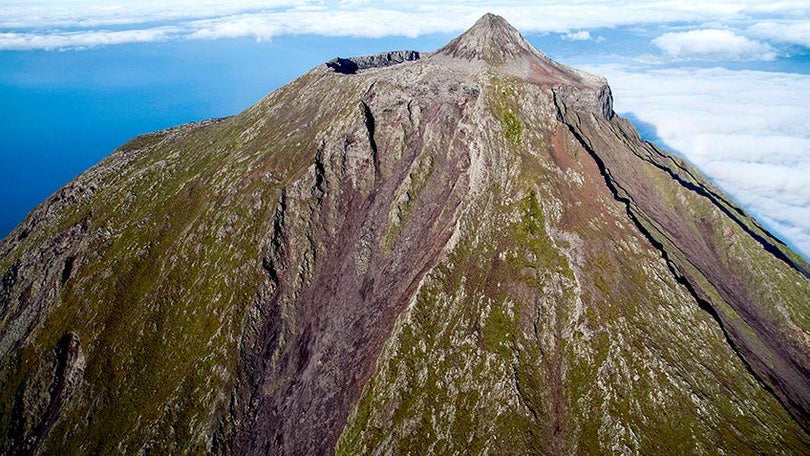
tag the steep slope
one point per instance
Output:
(462, 253)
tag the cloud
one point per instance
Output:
(712, 44)
(50, 14)
(744, 129)
(54, 23)
(582, 35)
(792, 32)
(325, 23)
(81, 40)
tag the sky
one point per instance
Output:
(723, 83)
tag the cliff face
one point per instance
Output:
(463, 252)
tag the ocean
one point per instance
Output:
(63, 111)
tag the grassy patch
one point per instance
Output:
(502, 98)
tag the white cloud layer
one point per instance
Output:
(791, 31)
(746, 130)
(79, 40)
(582, 35)
(72, 23)
(713, 44)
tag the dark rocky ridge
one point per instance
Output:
(466, 252)
(352, 65)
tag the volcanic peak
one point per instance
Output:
(492, 40)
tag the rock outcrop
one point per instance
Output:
(352, 65)
(463, 252)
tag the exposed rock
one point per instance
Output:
(352, 65)
(39, 402)
(492, 40)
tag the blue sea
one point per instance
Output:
(63, 111)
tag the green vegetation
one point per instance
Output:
(613, 364)
(512, 127)
(502, 98)
(421, 171)
(139, 299)
(158, 300)
(454, 350)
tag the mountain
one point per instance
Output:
(460, 252)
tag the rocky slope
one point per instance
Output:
(464, 252)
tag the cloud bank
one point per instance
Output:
(713, 44)
(40, 24)
(746, 130)
(790, 31)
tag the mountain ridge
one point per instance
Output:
(465, 251)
